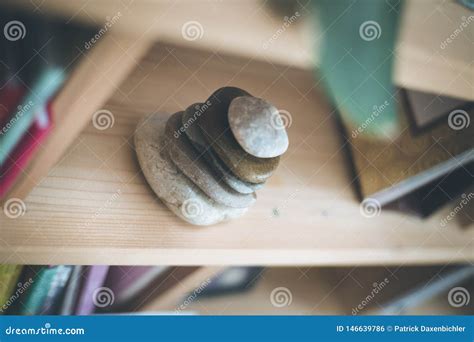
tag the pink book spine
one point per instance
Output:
(20, 157)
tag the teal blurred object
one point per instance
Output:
(357, 61)
(468, 3)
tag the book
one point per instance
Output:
(10, 98)
(40, 62)
(90, 297)
(432, 196)
(54, 296)
(72, 291)
(351, 79)
(129, 282)
(18, 160)
(12, 88)
(45, 288)
(231, 280)
(9, 275)
(43, 89)
(35, 62)
(26, 304)
(429, 108)
(387, 170)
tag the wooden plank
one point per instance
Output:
(436, 44)
(96, 208)
(92, 82)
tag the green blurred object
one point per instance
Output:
(357, 61)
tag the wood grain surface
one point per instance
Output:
(96, 208)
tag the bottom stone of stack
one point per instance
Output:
(176, 191)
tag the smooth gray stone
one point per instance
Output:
(193, 132)
(196, 168)
(235, 183)
(174, 189)
(189, 122)
(254, 124)
(214, 124)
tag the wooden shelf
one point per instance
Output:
(245, 28)
(95, 207)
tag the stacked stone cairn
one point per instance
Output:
(205, 163)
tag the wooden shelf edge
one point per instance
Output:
(250, 257)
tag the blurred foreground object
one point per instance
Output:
(357, 60)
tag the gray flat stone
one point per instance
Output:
(215, 126)
(253, 122)
(228, 177)
(196, 168)
(174, 189)
(189, 122)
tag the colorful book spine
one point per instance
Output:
(44, 88)
(37, 295)
(9, 275)
(10, 98)
(129, 282)
(21, 155)
(90, 297)
(72, 292)
(54, 297)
